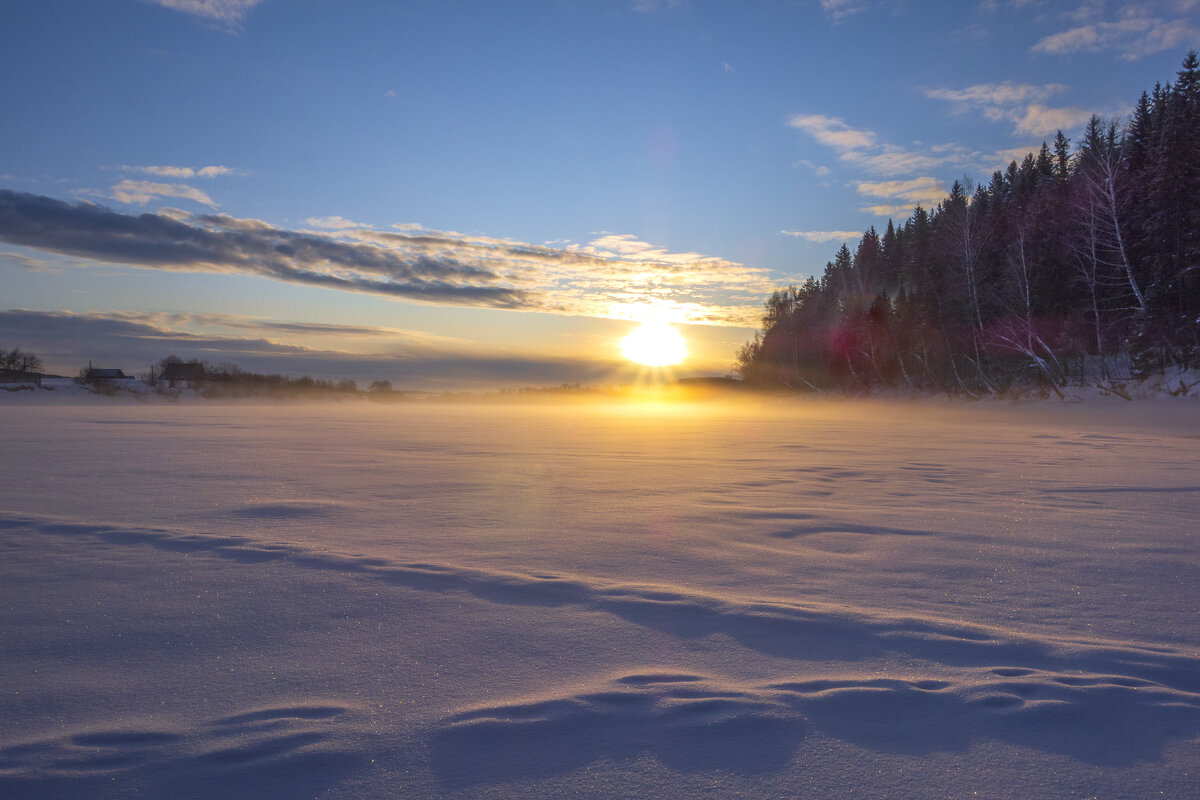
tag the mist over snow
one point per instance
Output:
(761, 600)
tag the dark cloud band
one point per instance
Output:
(222, 244)
(133, 342)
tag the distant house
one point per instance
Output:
(20, 376)
(98, 375)
(183, 375)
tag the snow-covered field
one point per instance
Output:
(857, 600)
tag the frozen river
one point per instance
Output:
(761, 600)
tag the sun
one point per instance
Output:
(654, 344)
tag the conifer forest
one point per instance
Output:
(1080, 264)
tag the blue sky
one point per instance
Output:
(453, 194)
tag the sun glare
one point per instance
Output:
(654, 344)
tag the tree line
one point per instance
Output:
(18, 360)
(217, 379)
(1075, 265)
(229, 379)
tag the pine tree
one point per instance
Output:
(1062, 156)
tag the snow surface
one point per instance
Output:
(783, 600)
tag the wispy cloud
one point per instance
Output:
(996, 100)
(1141, 29)
(924, 190)
(1021, 104)
(182, 172)
(989, 7)
(334, 223)
(24, 262)
(833, 132)
(613, 276)
(890, 209)
(648, 6)
(228, 13)
(127, 335)
(868, 152)
(865, 150)
(396, 339)
(142, 192)
(838, 10)
(820, 237)
(820, 170)
(896, 160)
(1041, 121)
